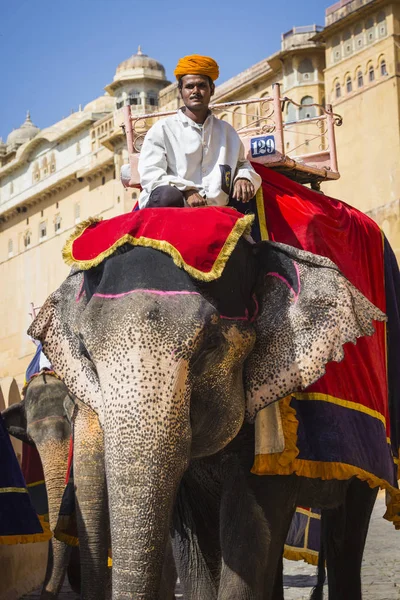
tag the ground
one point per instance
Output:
(380, 574)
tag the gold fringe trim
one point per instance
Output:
(33, 538)
(241, 227)
(13, 490)
(78, 231)
(262, 221)
(286, 463)
(293, 553)
(70, 540)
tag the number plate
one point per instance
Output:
(261, 146)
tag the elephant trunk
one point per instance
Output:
(54, 456)
(147, 442)
(91, 502)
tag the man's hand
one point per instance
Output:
(243, 190)
(193, 198)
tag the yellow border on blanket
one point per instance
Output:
(287, 463)
(33, 538)
(262, 221)
(242, 226)
(293, 553)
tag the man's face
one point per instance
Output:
(196, 92)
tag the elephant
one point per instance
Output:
(171, 367)
(42, 419)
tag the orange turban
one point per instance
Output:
(197, 65)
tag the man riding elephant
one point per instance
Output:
(193, 158)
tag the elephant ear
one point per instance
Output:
(309, 310)
(15, 421)
(57, 327)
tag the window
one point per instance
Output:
(383, 67)
(337, 52)
(93, 135)
(11, 187)
(45, 166)
(134, 98)
(103, 180)
(42, 231)
(338, 91)
(78, 148)
(358, 35)
(52, 163)
(36, 172)
(371, 73)
(223, 117)
(10, 248)
(381, 23)
(57, 224)
(349, 86)
(119, 105)
(360, 79)
(307, 111)
(27, 239)
(77, 213)
(306, 69)
(370, 30)
(347, 43)
(152, 98)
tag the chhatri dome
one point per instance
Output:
(23, 134)
(139, 62)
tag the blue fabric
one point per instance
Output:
(17, 515)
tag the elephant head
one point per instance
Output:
(42, 419)
(161, 358)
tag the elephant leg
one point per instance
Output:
(277, 495)
(244, 537)
(344, 553)
(169, 575)
(91, 503)
(195, 532)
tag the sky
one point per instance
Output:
(57, 54)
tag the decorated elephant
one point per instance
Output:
(171, 343)
(42, 419)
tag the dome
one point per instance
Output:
(102, 104)
(23, 134)
(140, 61)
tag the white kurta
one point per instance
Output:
(208, 158)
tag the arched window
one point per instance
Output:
(291, 112)
(338, 91)
(57, 223)
(78, 148)
(265, 106)
(349, 86)
(224, 116)
(52, 163)
(11, 187)
(371, 73)
(42, 230)
(10, 248)
(45, 166)
(27, 239)
(306, 111)
(134, 98)
(383, 67)
(306, 69)
(237, 118)
(360, 79)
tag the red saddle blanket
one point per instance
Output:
(199, 241)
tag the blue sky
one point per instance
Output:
(57, 54)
